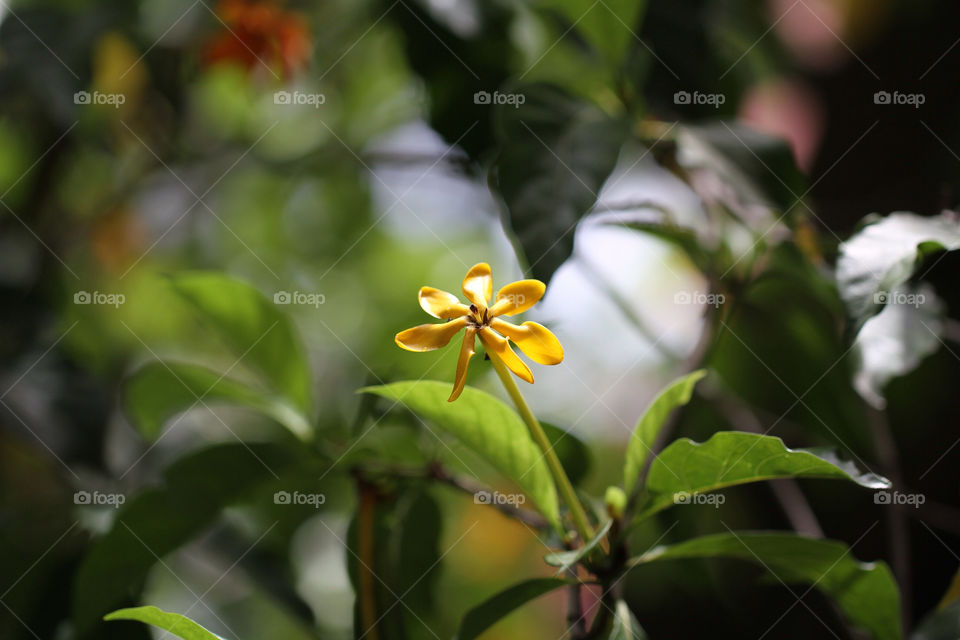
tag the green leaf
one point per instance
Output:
(865, 592)
(181, 626)
(566, 559)
(884, 254)
(895, 341)
(732, 457)
(556, 153)
(255, 330)
(640, 448)
(943, 624)
(159, 391)
(609, 27)
(489, 427)
(484, 615)
(158, 521)
(783, 341)
(574, 454)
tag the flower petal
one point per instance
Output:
(466, 352)
(535, 340)
(517, 297)
(441, 304)
(478, 285)
(501, 347)
(427, 337)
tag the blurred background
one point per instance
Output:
(346, 153)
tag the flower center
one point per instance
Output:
(478, 316)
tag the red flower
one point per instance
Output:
(257, 33)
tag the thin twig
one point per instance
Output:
(898, 527)
(787, 492)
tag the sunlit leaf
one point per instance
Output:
(893, 342)
(253, 327)
(865, 592)
(731, 458)
(884, 254)
(640, 448)
(489, 427)
(159, 391)
(486, 614)
(178, 625)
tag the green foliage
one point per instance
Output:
(179, 625)
(610, 28)
(261, 337)
(489, 428)
(556, 151)
(484, 615)
(643, 440)
(898, 319)
(565, 560)
(573, 452)
(158, 391)
(865, 592)
(160, 520)
(802, 329)
(885, 254)
(405, 531)
(729, 458)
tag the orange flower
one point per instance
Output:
(259, 32)
(482, 319)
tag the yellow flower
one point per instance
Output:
(482, 319)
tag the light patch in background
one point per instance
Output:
(417, 195)
(612, 369)
(318, 553)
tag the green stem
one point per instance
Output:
(580, 520)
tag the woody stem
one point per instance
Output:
(577, 511)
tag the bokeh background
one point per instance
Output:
(337, 149)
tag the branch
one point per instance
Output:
(436, 471)
(467, 485)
